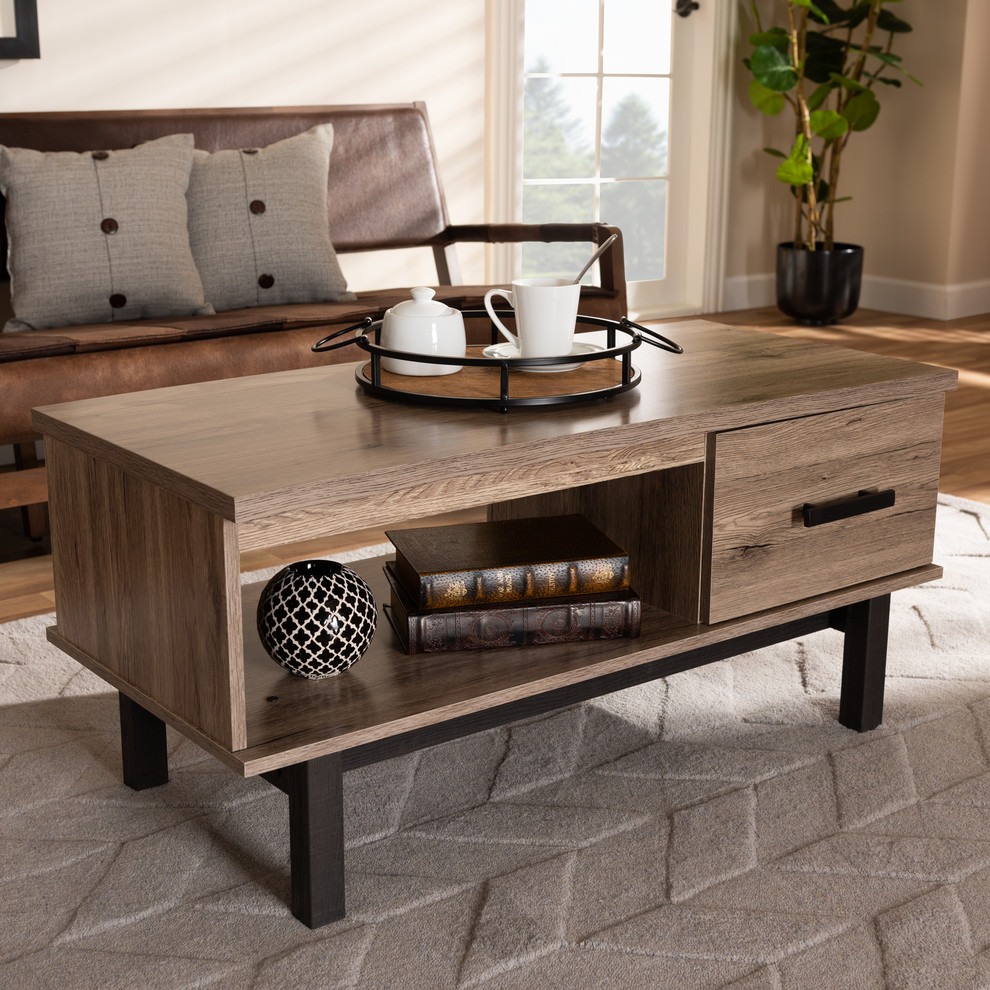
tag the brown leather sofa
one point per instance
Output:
(384, 193)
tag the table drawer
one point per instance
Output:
(763, 552)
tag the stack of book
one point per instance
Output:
(521, 582)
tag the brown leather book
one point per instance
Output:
(537, 622)
(507, 561)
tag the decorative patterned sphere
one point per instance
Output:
(316, 618)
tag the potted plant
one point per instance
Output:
(827, 64)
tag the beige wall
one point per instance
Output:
(969, 252)
(123, 54)
(920, 200)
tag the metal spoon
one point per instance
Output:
(601, 250)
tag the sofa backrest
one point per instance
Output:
(384, 187)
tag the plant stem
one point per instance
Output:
(797, 35)
(835, 151)
(798, 236)
(871, 23)
(756, 14)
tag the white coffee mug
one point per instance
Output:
(546, 311)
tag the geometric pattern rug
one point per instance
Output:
(717, 828)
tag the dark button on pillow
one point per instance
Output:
(118, 300)
(266, 281)
(109, 226)
(101, 155)
(257, 206)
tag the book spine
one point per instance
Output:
(556, 579)
(524, 625)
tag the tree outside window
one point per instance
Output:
(594, 148)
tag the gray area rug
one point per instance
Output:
(716, 829)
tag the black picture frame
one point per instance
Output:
(25, 43)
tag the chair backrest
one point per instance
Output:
(384, 188)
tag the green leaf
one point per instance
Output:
(775, 152)
(888, 58)
(848, 83)
(832, 11)
(765, 100)
(891, 22)
(886, 80)
(823, 56)
(796, 169)
(773, 69)
(858, 14)
(828, 124)
(861, 111)
(817, 11)
(819, 96)
(794, 173)
(775, 36)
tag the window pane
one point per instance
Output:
(639, 209)
(637, 36)
(557, 204)
(561, 36)
(634, 127)
(559, 129)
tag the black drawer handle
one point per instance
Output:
(826, 512)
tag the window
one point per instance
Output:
(613, 110)
(596, 93)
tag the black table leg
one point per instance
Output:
(316, 838)
(864, 663)
(142, 745)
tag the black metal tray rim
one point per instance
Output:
(634, 331)
(373, 384)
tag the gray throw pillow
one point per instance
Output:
(99, 236)
(258, 223)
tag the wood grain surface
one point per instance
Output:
(388, 692)
(762, 553)
(485, 381)
(156, 492)
(148, 584)
(656, 518)
(222, 444)
(964, 344)
(22, 487)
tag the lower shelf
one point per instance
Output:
(388, 693)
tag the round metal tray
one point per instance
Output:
(503, 383)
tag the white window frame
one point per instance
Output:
(703, 48)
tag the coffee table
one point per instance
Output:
(765, 488)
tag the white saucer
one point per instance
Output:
(508, 350)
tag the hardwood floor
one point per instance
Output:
(26, 584)
(961, 344)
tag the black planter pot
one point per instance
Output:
(818, 287)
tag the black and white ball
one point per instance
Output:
(316, 618)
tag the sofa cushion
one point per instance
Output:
(321, 317)
(258, 223)
(100, 236)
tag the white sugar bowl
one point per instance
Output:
(423, 325)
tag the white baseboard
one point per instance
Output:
(748, 292)
(934, 302)
(891, 295)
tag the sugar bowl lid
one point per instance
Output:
(422, 304)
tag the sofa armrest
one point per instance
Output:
(611, 265)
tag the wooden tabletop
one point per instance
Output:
(264, 446)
